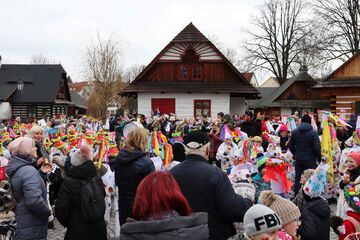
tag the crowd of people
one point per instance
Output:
(233, 177)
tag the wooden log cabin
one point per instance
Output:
(45, 91)
(190, 77)
(342, 87)
(295, 94)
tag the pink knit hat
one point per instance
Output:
(283, 128)
(356, 157)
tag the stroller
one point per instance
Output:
(7, 216)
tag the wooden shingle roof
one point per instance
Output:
(190, 34)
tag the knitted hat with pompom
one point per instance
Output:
(286, 209)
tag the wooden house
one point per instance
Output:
(342, 87)
(190, 77)
(45, 90)
(295, 94)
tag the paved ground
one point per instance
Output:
(59, 232)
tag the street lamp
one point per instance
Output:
(20, 88)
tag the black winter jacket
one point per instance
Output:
(208, 189)
(68, 210)
(315, 217)
(177, 227)
(130, 169)
(304, 143)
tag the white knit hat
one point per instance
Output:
(81, 155)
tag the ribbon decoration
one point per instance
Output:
(326, 149)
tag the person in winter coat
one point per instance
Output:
(162, 212)
(353, 169)
(215, 142)
(132, 166)
(54, 179)
(352, 123)
(208, 189)
(351, 224)
(32, 211)
(315, 211)
(68, 206)
(304, 144)
(284, 137)
(226, 153)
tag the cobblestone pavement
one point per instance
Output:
(58, 232)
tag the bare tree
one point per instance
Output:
(103, 71)
(230, 53)
(279, 35)
(40, 59)
(340, 21)
(132, 72)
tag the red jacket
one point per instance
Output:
(349, 225)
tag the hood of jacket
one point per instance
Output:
(128, 157)
(17, 162)
(164, 225)
(305, 127)
(83, 171)
(319, 206)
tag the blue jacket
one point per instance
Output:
(32, 211)
(304, 143)
(208, 189)
(130, 169)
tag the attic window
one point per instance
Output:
(190, 56)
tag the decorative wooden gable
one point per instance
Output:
(203, 50)
(349, 70)
(190, 62)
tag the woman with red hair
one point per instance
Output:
(160, 211)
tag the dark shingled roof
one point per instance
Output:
(343, 82)
(265, 93)
(190, 87)
(78, 100)
(190, 34)
(269, 95)
(41, 82)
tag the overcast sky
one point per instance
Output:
(61, 30)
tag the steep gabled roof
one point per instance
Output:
(342, 66)
(78, 100)
(191, 34)
(270, 95)
(350, 81)
(41, 81)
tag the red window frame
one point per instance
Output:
(190, 71)
(202, 101)
(187, 69)
(198, 66)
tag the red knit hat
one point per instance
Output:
(283, 128)
(356, 157)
